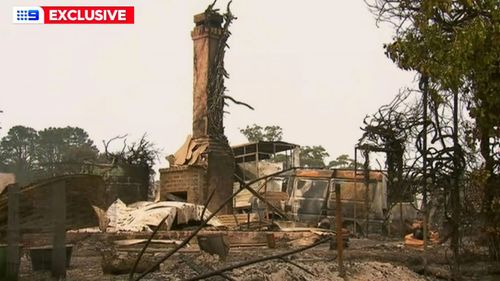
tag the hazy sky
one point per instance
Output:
(314, 69)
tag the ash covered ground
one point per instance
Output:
(365, 259)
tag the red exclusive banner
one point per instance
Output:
(88, 15)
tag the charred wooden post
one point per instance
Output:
(13, 232)
(338, 229)
(59, 243)
(366, 173)
(355, 187)
(424, 88)
(455, 193)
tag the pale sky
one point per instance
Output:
(315, 68)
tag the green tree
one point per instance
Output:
(454, 45)
(310, 156)
(343, 162)
(256, 133)
(63, 150)
(18, 152)
(313, 156)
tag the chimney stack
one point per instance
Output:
(206, 37)
(205, 163)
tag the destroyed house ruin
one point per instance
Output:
(205, 163)
(256, 159)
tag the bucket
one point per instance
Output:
(41, 257)
(214, 244)
(3, 261)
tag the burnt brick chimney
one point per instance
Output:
(206, 37)
(212, 168)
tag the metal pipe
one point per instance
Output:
(298, 265)
(131, 274)
(200, 269)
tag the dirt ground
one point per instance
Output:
(365, 259)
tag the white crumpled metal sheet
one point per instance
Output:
(142, 216)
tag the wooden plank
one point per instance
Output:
(190, 149)
(197, 153)
(180, 155)
(242, 199)
(59, 219)
(256, 194)
(129, 242)
(338, 228)
(249, 245)
(237, 219)
(275, 195)
(13, 232)
(6, 179)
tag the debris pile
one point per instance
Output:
(142, 216)
(325, 271)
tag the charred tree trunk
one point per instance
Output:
(491, 191)
(455, 191)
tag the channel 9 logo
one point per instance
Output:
(27, 15)
(74, 15)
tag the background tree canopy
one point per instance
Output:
(454, 46)
(343, 161)
(313, 156)
(256, 133)
(62, 148)
(32, 155)
(18, 151)
(310, 156)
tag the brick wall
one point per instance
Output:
(36, 206)
(190, 179)
(220, 178)
(127, 182)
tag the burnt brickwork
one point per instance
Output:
(188, 180)
(206, 162)
(36, 206)
(220, 177)
(206, 37)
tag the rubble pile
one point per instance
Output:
(325, 271)
(142, 216)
